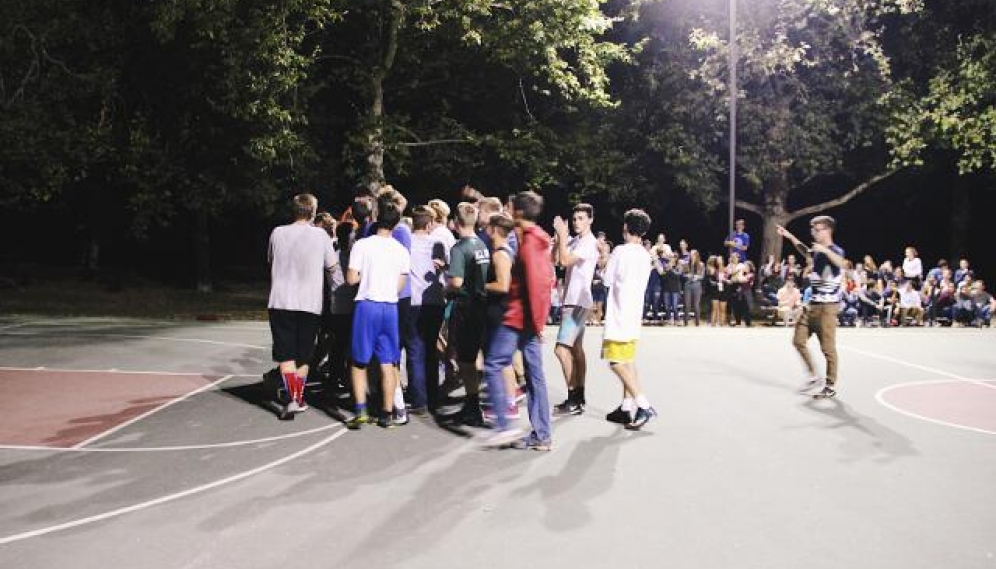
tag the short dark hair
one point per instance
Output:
(503, 223)
(324, 220)
(586, 208)
(362, 208)
(824, 220)
(528, 204)
(388, 216)
(637, 222)
(304, 206)
(422, 216)
(389, 197)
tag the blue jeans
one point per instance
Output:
(501, 346)
(671, 302)
(984, 314)
(424, 371)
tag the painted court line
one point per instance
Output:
(229, 444)
(136, 336)
(134, 420)
(125, 371)
(880, 397)
(170, 497)
(918, 366)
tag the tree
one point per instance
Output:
(213, 108)
(550, 45)
(815, 99)
(947, 62)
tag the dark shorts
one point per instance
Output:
(294, 334)
(599, 292)
(467, 326)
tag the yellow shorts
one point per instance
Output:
(619, 352)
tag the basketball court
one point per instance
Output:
(130, 443)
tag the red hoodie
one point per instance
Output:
(532, 277)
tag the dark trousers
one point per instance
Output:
(423, 371)
(333, 342)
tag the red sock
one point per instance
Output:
(300, 389)
(290, 384)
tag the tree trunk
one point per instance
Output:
(773, 214)
(961, 217)
(375, 138)
(202, 252)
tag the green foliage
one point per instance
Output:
(815, 90)
(146, 114)
(958, 111)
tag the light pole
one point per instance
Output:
(733, 110)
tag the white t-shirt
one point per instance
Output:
(442, 233)
(380, 262)
(428, 283)
(626, 277)
(909, 298)
(579, 276)
(912, 268)
(299, 253)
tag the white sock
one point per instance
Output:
(627, 404)
(399, 398)
(642, 402)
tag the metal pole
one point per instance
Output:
(733, 108)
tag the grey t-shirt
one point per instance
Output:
(299, 254)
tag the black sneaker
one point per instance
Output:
(569, 407)
(827, 393)
(399, 417)
(643, 416)
(619, 416)
(385, 421)
(471, 415)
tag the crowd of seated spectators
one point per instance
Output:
(904, 294)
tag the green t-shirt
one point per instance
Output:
(470, 260)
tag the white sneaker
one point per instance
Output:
(501, 438)
(812, 385)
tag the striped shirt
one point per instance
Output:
(826, 278)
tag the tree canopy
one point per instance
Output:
(140, 119)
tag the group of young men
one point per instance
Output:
(488, 286)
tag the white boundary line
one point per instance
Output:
(229, 444)
(135, 336)
(880, 397)
(124, 371)
(138, 418)
(170, 497)
(918, 366)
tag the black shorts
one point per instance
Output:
(467, 326)
(294, 334)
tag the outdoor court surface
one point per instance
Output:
(144, 444)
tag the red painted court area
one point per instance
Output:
(65, 408)
(960, 403)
